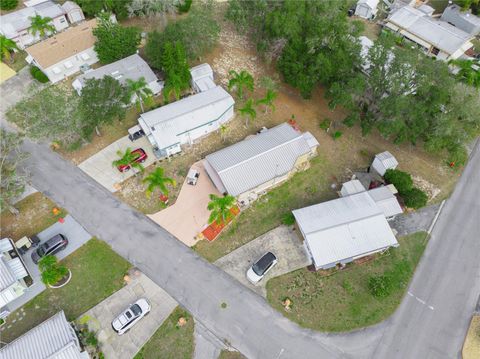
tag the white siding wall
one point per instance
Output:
(60, 23)
(61, 70)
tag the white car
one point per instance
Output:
(130, 316)
(261, 267)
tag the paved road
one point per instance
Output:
(447, 278)
(433, 319)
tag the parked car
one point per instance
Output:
(135, 133)
(192, 176)
(130, 316)
(141, 157)
(261, 267)
(52, 246)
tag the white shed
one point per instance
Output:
(202, 78)
(367, 9)
(384, 161)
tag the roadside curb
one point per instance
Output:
(430, 229)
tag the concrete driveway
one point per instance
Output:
(100, 317)
(188, 216)
(282, 241)
(100, 168)
(77, 236)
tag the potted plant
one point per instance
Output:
(54, 274)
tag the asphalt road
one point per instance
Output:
(447, 279)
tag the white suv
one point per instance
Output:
(261, 267)
(130, 316)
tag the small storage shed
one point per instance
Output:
(202, 78)
(367, 9)
(384, 161)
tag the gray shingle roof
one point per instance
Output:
(53, 339)
(256, 160)
(132, 67)
(344, 228)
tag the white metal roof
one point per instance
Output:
(7, 278)
(53, 339)
(440, 34)
(352, 187)
(386, 160)
(167, 122)
(12, 23)
(386, 201)
(372, 4)
(70, 5)
(201, 71)
(132, 67)
(344, 228)
(258, 159)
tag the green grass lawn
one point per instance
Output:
(97, 272)
(18, 61)
(303, 189)
(342, 301)
(35, 215)
(171, 341)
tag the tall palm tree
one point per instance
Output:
(128, 158)
(141, 90)
(220, 207)
(6, 48)
(268, 100)
(248, 111)
(466, 73)
(240, 81)
(157, 179)
(40, 25)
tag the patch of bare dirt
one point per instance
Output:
(430, 189)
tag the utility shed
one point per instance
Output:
(182, 122)
(386, 201)
(352, 187)
(384, 161)
(202, 78)
(344, 229)
(53, 339)
(253, 165)
(464, 20)
(132, 68)
(367, 9)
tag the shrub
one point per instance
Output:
(401, 180)
(325, 124)
(38, 75)
(415, 198)
(51, 270)
(337, 134)
(8, 4)
(288, 219)
(185, 6)
(380, 286)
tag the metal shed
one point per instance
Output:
(384, 161)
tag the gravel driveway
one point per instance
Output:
(282, 241)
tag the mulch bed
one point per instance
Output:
(213, 230)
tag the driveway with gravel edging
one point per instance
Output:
(282, 241)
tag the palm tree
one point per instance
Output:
(6, 48)
(158, 179)
(128, 158)
(248, 111)
(466, 73)
(220, 207)
(51, 271)
(223, 131)
(141, 90)
(41, 25)
(240, 81)
(267, 101)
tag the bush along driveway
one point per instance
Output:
(360, 295)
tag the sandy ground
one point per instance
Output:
(471, 348)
